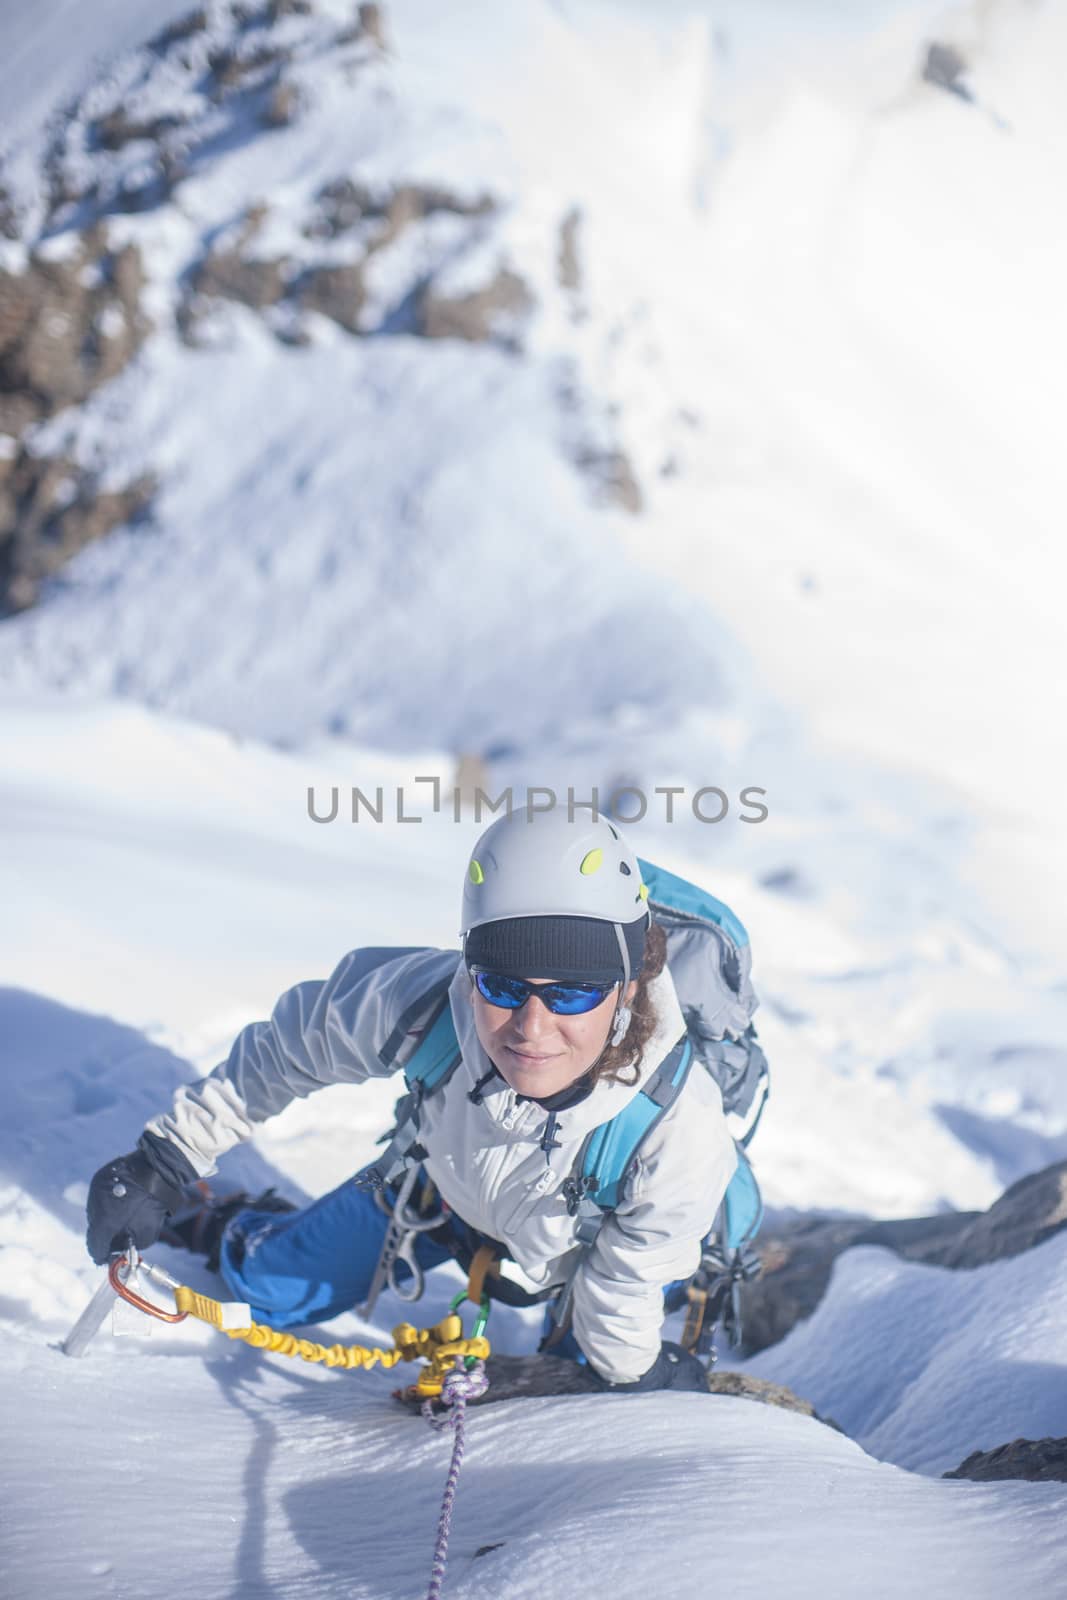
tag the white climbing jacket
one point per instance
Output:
(486, 1158)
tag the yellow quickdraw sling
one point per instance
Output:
(439, 1346)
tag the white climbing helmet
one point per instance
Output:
(542, 864)
(549, 863)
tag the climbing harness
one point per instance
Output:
(438, 1346)
(405, 1224)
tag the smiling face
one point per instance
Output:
(536, 1051)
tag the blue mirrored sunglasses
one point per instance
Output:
(565, 999)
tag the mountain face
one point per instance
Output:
(300, 326)
(694, 335)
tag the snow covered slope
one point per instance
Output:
(814, 346)
(918, 1363)
(159, 894)
(804, 307)
(798, 301)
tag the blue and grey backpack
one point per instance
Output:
(709, 957)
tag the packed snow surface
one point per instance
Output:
(819, 310)
(164, 883)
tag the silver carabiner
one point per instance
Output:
(410, 1288)
(399, 1245)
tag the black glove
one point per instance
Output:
(130, 1197)
(673, 1368)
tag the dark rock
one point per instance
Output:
(471, 779)
(479, 316)
(372, 24)
(230, 67)
(534, 1377)
(115, 130)
(614, 476)
(420, 200)
(184, 28)
(788, 881)
(282, 106)
(798, 1256)
(1039, 1460)
(66, 326)
(569, 270)
(746, 1387)
(337, 292)
(1027, 1214)
(945, 68)
(411, 202)
(18, 412)
(9, 218)
(228, 275)
(341, 204)
(50, 508)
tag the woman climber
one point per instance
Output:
(558, 1012)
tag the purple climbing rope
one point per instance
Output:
(459, 1387)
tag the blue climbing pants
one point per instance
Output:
(309, 1265)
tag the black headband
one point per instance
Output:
(578, 949)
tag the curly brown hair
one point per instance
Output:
(618, 1059)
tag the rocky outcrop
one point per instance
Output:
(1039, 1460)
(489, 313)
(345, 208)
(206, 84)
(343, 204)
(67, 325)
(1027, 1214)
(798, 1256)
(50, 508)
(231, 67)
(336, 292)
(745, 1387)
(184, 28)
(534, 1377)
(231, 276)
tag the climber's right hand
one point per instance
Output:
(129, 1200)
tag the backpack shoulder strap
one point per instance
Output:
(437, 1054)
(428, 1068)
(607, 1157)
(608, 1154)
